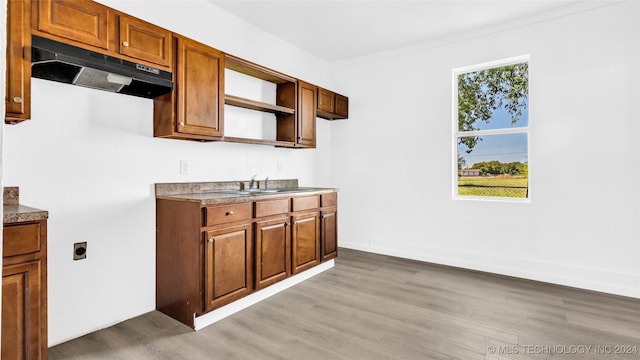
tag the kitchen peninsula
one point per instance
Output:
(222, 246)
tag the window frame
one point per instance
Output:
(502, 131)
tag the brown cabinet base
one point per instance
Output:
(210, 256)
(24, 291)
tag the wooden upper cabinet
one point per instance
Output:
(298, 128)
(93, 26)
(326, 101)
(200, 85)
(332, 106)
(342, 107)
(144, 41)
(83, 21)
(194, 109)
(18, 76)
(306, 114)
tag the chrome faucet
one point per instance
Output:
(266, 183)
(252, 181)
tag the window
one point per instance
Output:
(491, 131)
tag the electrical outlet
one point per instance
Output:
(184, 167)
(80, 251)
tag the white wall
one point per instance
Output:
(90, 159)
(392, 159)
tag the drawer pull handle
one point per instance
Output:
(17, 100)
(229, 213)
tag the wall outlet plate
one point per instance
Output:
(184, 167)
(80, 251)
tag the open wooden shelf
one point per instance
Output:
(257, 105)
(255, 70)
(277, 143)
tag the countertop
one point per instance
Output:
(222, 197)
(15, 213)
(226, 192)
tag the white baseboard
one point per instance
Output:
(254, 298)
(611, 282)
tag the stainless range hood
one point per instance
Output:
(52, 60)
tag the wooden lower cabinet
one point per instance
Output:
(329, 234)
(24, 297)
(21, 311)
(210, 256)
(228, 265)
(306, 241)
(273, 254)
(328, 226)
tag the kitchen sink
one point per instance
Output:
(251, 191)
(265, 191)
(260, 191)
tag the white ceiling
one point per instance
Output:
(337, 30)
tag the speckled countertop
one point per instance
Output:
(13, 212)
(229, 192)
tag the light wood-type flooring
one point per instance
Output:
(378, 307)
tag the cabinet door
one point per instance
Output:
(84, 21)
(199, 88)
(273, 255)
(18, 76)
(228, 265)
(329, 234)
(306, 242)
(22, 317)
(326, 100)
(306, 114)
(141, 40)
(342, 107)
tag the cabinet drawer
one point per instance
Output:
(329, 199)
(223, 214)
(271, 207)
(21, 239)
(306, 203)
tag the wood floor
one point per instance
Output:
(378, 307)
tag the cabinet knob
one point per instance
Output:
(17, 100)
(181, 123)
(211, 240)
(229, 213)
(125, 43)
